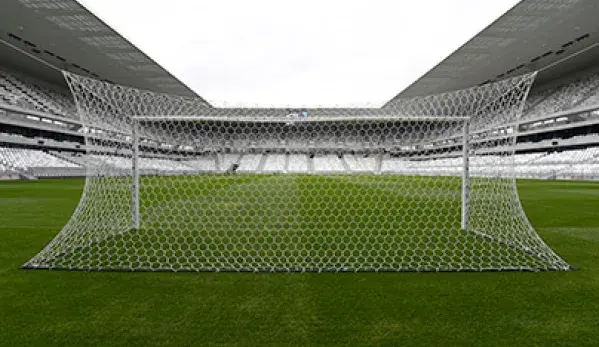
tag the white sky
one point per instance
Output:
(298, 53)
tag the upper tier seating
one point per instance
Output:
(562, 98)
(20, 90)
(591, 101)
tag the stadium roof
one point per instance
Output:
(554, 36)
(44, 36)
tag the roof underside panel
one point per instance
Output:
(65, 35)
(533, 35)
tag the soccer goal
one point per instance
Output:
(425, 184)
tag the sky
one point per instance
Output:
(298, 53)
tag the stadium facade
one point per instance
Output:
(41, 134)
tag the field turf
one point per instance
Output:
(367, 309)
(293, 223)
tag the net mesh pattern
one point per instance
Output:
(423, 184)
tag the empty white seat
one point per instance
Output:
(249, 162)
(298, 163)
(205, 163)
(275, 163)
(328, 163)
(359, 163)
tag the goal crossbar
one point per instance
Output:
(309, 119)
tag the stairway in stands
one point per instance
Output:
(379, 163)
(346, 166)
(310, 164)
(262, 162)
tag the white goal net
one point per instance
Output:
(425, 184)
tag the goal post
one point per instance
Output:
(135, 169)
(422, 184)
(465, 173)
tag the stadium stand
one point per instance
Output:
(562, 155)
(27, 158)
(592, 100)
(275, 163)
(298, 163)
(358, 163)
(566, 164)
(564, 97)
(250, 163)
(328, 164)
(203, 164)
(20, 90)
(36, 163)
(227, 162)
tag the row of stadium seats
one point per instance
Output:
(328, 163)
(298, 163)
(530, 165)
(569, 157)
(20, 90)
(578, 93)
(28, 158)
(28, 163)
(360, 163)
(275, 163)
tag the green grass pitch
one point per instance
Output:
(365, 309)
(287, 223)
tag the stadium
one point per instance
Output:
(462, 211)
